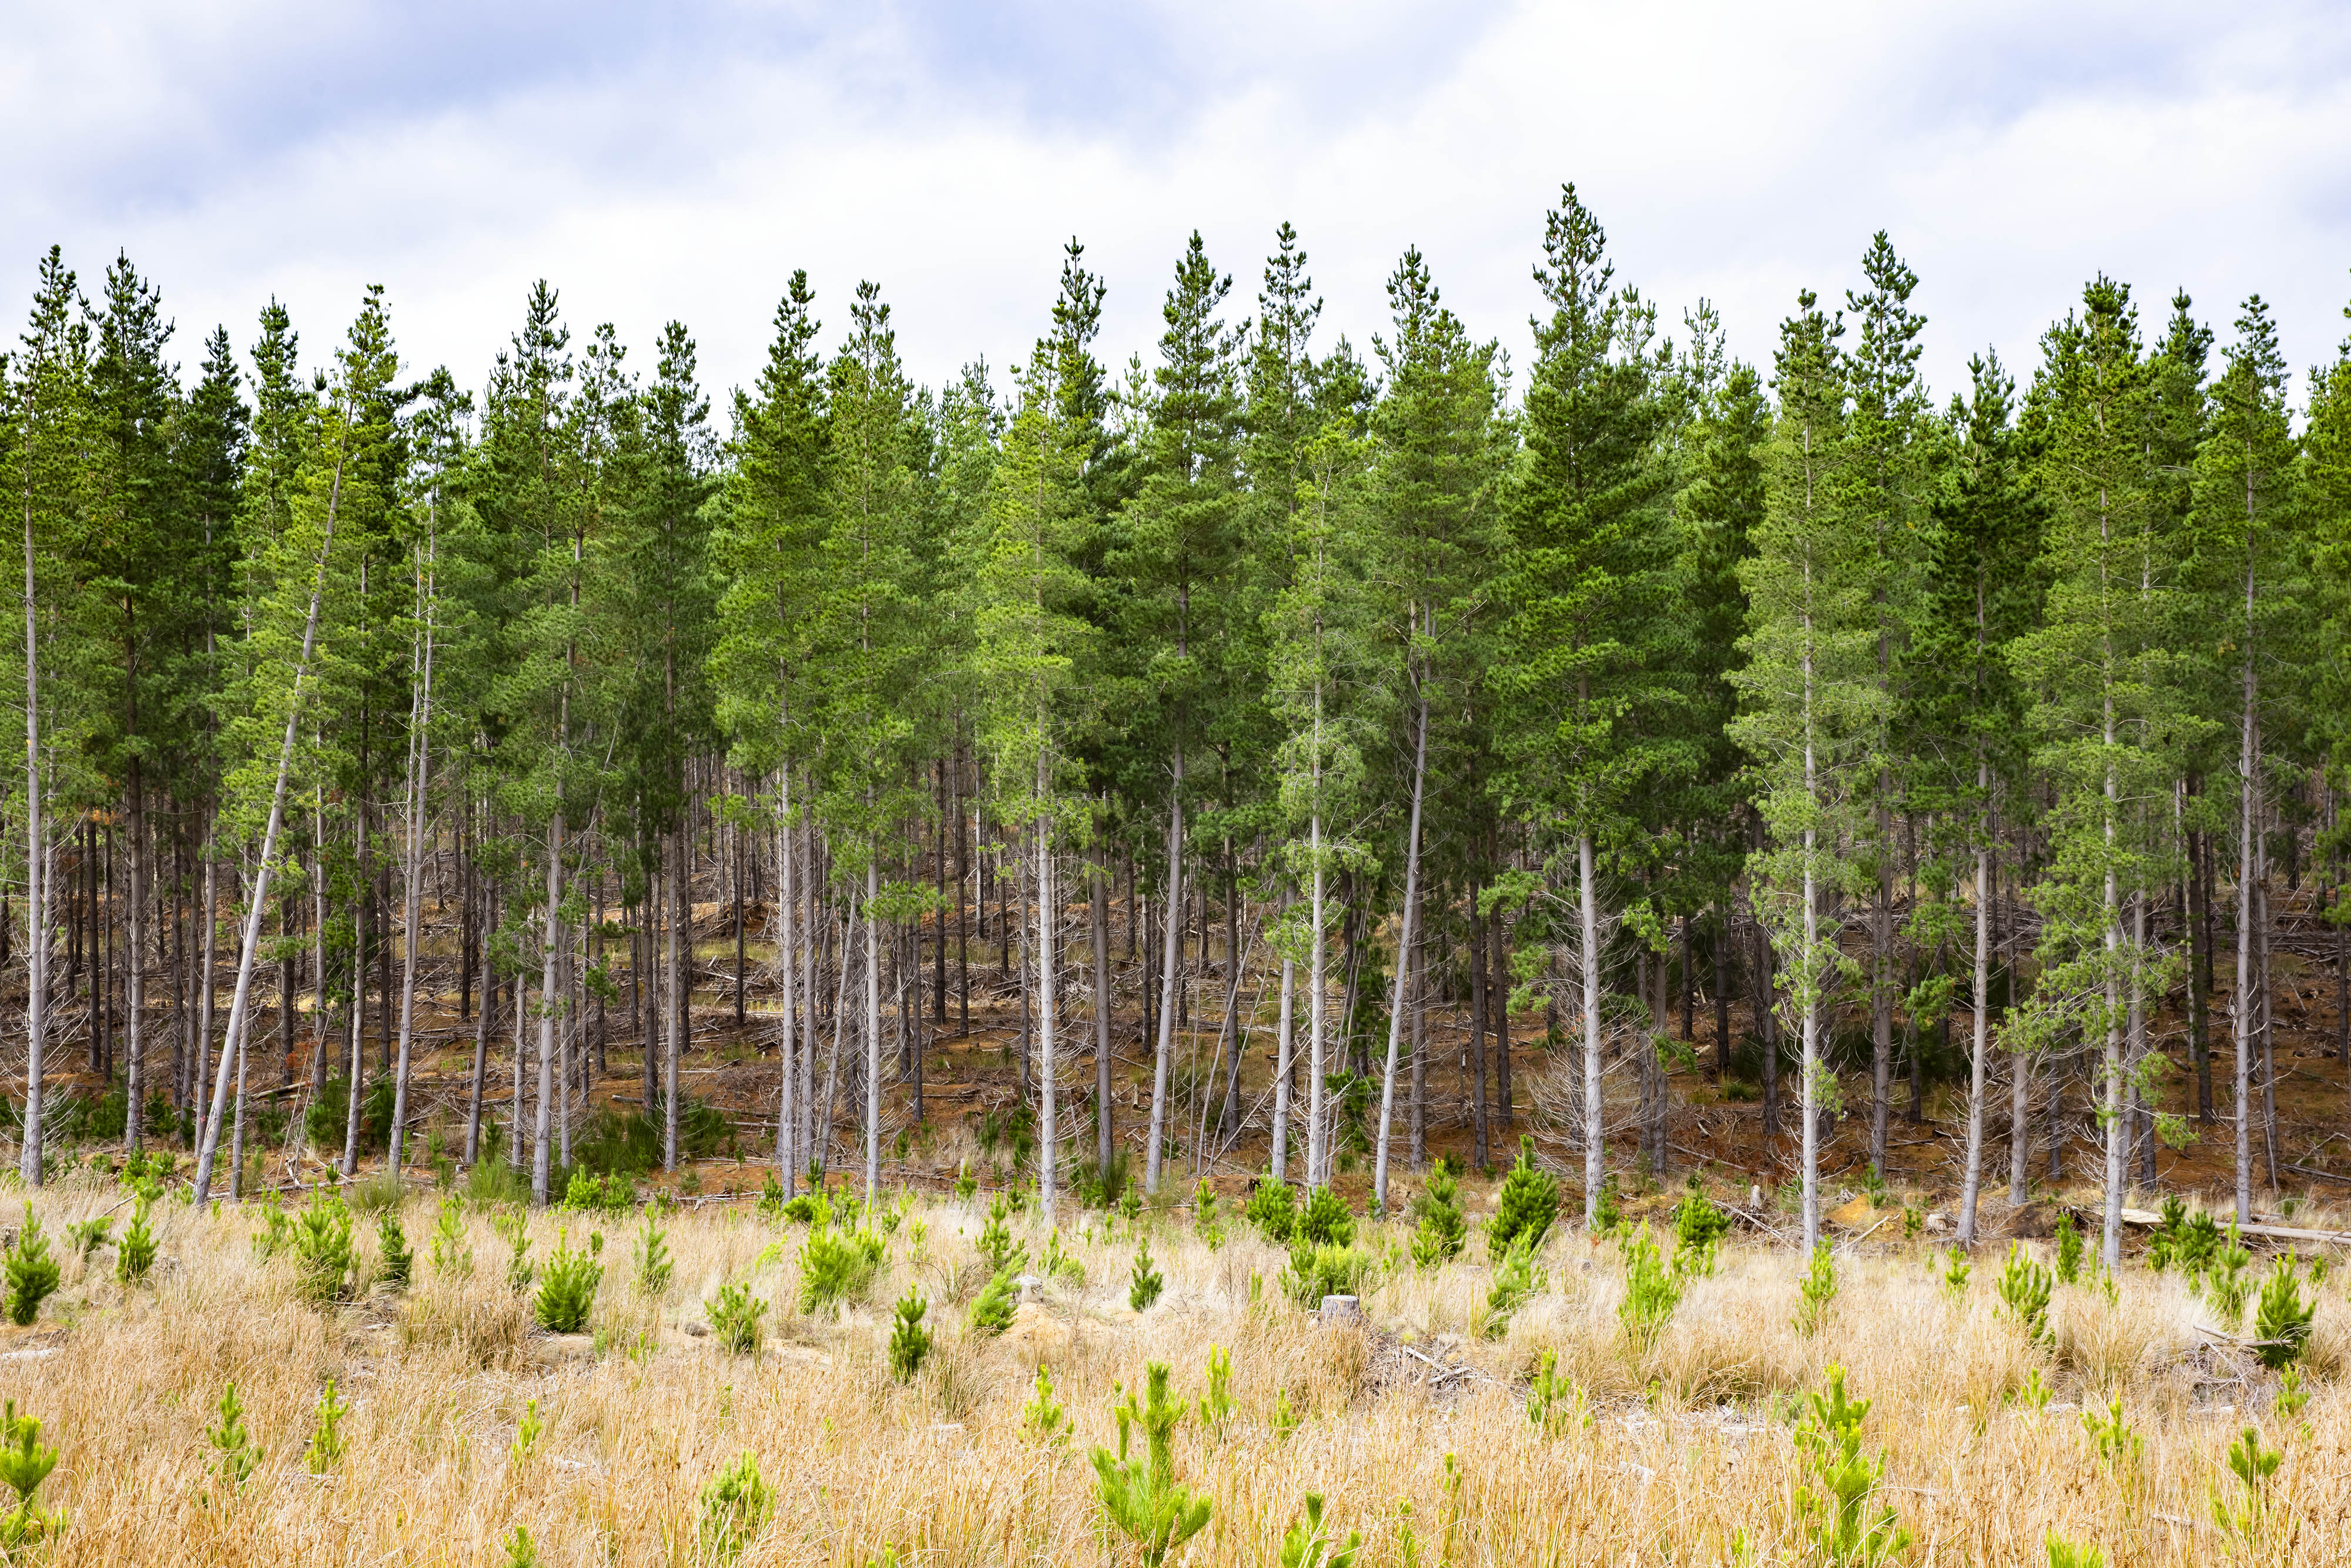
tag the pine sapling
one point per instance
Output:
(2117, 1445)
(567, 1296)
(2282, 1317)
(1439, 1227)
(327, 1431)
(2069, 1247)
(321, 1242)
(1216, 1405)
(1042, 1419)
(991, 1311)
(910, 1341)
(2024, 1291)
(1203, 1215)
(520, 1552)
(1516, 1278)
(1274, 1209)
(1142, 1497)
(735, 1316)
(528, 1432)
(653, 1259)
(1956, 1269)
(232, 1451)
(89, 1234)
(996, 1243)
(1849, 1527)
(735, 1505)
(2253, 1466)
(1327, 1221)
(1652, 1291)
(2063, 1553)
(24, 1463)
(1144, 1281)
(33, 1274)
(1307, 1545)
(450, 1254)
(399, 1262)
(1528, 1205)
(1819, 1288)
(1286, 1417)
(521, 1271)
(136, 1254)
(1554, 1403)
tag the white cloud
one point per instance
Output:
(658, 165)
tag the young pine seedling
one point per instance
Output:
(910, 1341)
(1817, 1290)
(1216, 1405)
(1308, 1546)
(135, 1255)
(991, 1313)
(32, 1273)
(399, 1262)
(233, 1456)
(735, 1505)
(735, 1316)
(567, 1296)
(1042, 1419)
(1143, 1282)
(327, 1431)
(2253, 1466)
(2024, 1289)
(652, 1260)
(89, 1235)
(24, 1463)
(1849, 1524)
(528, 1432)
(450, 1253)
(1140, 1497)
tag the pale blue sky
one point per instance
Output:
(681, 160)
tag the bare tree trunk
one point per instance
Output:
(420, 763)
(673, 1009)
(134, 1083)
(1171, 960)
(1284, 1030)
(1596, 1122)
(1977, 1059)
(872, 1034)
(549, 1001)
(1099, 910)
(787, 1151)
(1404, 954)
(1049, 1132)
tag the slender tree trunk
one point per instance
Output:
(1977, 1060)
(420, 764)
(787, 1154)
(674, 1011)
(248, 950)
(1098, 902)
(1284, 1029)
(1404, 954)
(134, 1083)
(551, 991)
(1049, 1129)
(2242, 1010)
(1171, 960)
(872, 1033)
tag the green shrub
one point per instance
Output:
(2069, 1250)
(1327, 1220)
(589, 1193)
(837, 1266)
(87, 1236)
(1818, 1288)
(996, 1243)
(1203, 1215)
(32, 1273)
(1042, 1419)
(1516, 1278)
(1143, 1282)
(1440, 1227)
(734, 1508)
(1652, 1291)
(24, 1463)
(735, 1314)
(910, 1341)
(232, 1451)
(1274, 1209)
(451, 1255)
(2223, 1281)
(326, 1431)
(1308, 1545)
(1529, 1203)
(991, 1313)
(1699, 1229)
(321, 1245)
(136, 1254)
(521, 1271)
(2024, 1289)
(1142, 1497)
(399, 1262)
(652, 1260)
(567, 1295)
(1848, 1524)
(1315, 1272)
(2282, 1317)
(1060, 1264)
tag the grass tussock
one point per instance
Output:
(1681, 1436)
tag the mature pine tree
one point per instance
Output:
(1810, 705)
(2248, 571)
(764, 549)
(2103, 705)
(1980, 594)
(1182, 534)
(868, 636)
(1890, 481)
(1593, 706)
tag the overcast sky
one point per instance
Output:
(679, 160)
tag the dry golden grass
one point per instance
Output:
(1689, 1448)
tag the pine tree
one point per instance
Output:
(1809, 703)
(2102, 701)
(2247, 574)
(1592, 719)
(1181, 536)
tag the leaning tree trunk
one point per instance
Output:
(249, 947)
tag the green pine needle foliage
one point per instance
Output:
(1849, 1526)
(1144, 1281)
(1042, 1419)
(450, 1254)
(24, 1463)
(2024, 1290)
(135, 1255)
(33, 1274)
(838, 1267)
(1308, 1545)
(1440, 1227)
(399, 1262)
(653, 1263)
(1529, 1203)
(735, 1316)
(910, 1341)
(734, 1508)
(1141, 1498)
(1327, 1220)
(327, 1442)
(2281, 1318)
(1274, 1209)
(991, 1311)
(1816, 1292)
(233, 1452)
(567, 1295)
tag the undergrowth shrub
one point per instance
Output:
(735, 1314)
(567, 1294)
(991, 1310)
(910, 1341)
(735, 1507)
(1274, 1209)
(1327, 1220)
(838, 1267)
(1528, 1205)
(33, 1274)
(1440, 1227)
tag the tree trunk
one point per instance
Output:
(1403, 953)
(1098, 903)
(1171, 961)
